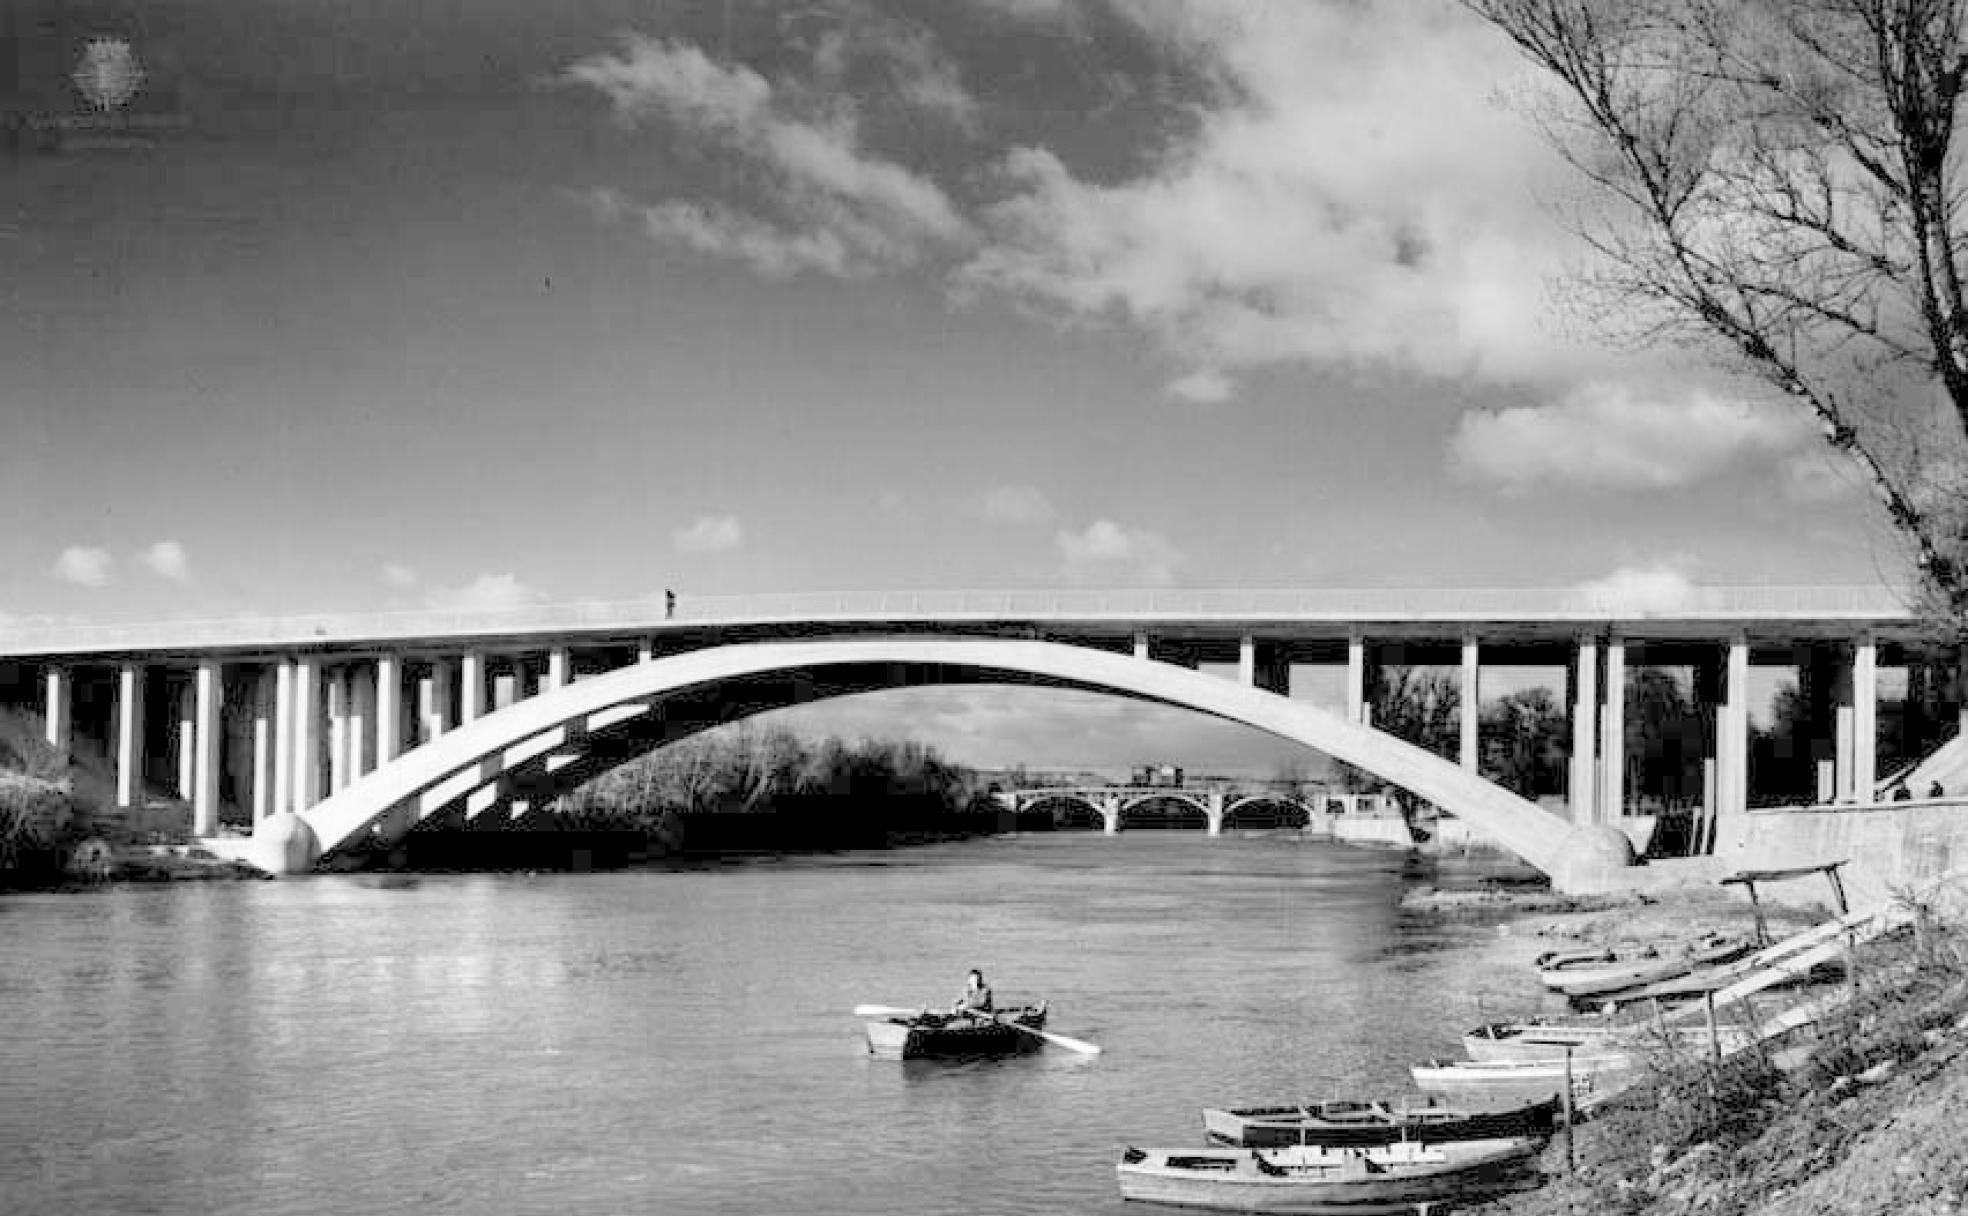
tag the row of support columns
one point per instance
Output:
(315, 727)
(1598, 680)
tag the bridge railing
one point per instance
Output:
(651, 613)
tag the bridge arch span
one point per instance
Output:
(1195, 812)
(1269, 810)
(672, 697)
(1069, 807)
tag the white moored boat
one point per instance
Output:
(1525, 1041)
(1317, 1180)
(1594, 1077)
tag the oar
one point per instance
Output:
(1070, 1044)
(887, 1011)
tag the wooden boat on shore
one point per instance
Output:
(1791, 960)
(1535, 1040)
(1487, 1082)
(1342, 1124)
(937, 1036)
(1319, 1180)
(1582, 974)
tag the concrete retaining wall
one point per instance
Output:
(1361, 829)
(1891, 847)
(1887, 849)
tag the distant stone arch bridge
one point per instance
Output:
(1220, 804)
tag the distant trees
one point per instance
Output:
(1782, 768)
(1667, 732)
(1524, 742)
(1421, 705)
(744, 768)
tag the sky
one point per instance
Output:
(490, 302)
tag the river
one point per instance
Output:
(681, 1041)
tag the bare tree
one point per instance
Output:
(1776, 182)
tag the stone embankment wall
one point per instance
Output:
(1891, 848)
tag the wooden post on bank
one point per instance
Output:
(1571, 1115)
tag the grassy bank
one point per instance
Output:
(1861, 1114)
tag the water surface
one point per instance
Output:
(681, 1042)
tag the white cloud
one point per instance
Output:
(398, 575)
(1106, 552)
(923, 77)
(709, 534)
(834, 206)
(1350, 204)
(1609, 435)
(1340, 191)
(772, 251)
(1016, 504)
(1031, 10)
(1639, 590)
(1204, 386)
(487, 591)
(84, 565)
(166, 559)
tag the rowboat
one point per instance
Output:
(938, 1036)
(1539, 1040)
(1367, 1123)
(1320, 1180)
(1549, 1041)
(1482, 1082)
(1785, 961)
(1580, 974)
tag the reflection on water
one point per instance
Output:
(681, 1041)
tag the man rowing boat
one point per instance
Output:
(976, 998)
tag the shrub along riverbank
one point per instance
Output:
(36, 821)
(41, 820)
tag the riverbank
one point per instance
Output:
(1863, 1119)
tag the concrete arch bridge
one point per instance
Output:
(323, 729)
(555, 739)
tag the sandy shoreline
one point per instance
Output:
(1531, 921)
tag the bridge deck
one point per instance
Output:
(1532, 613)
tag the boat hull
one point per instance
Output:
(1527, 1042)
(1581, 975)
(936, 1037)
(1537, 1041)
(1320, 1180)
(1594, 1078)
(1342, 1124)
